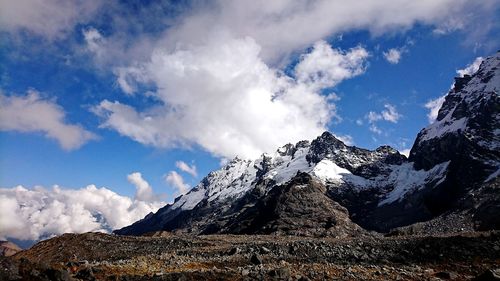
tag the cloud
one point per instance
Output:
(231, 101)
(434, 106)
(51, 18)
(285, 26)
(449, 26)
(32, 113)
(471, 68)
(144, 192)
(95, 43)
(390, 114)
(373, 117)
(325, 67)
(373, 128)
(405, 152)
(346, 139)
(183, 166)
(38, 213)
(176, 181)
(393, 55)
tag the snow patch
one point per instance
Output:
(444, 126)
(233, 180)
(327, 170)
(493, 175)
(406, 179)
(190, 200)
(286, 167)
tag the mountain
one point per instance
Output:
(8, 248)
(327, 188)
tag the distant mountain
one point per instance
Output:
(8, 249)
(324, 187)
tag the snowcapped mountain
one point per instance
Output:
(325, 187)
(468, 123)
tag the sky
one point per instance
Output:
(111, 109)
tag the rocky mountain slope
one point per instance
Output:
(325, 187)
(98, 256)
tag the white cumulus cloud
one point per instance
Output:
(471, 68)
(282, 27)
(325, 67)
(374, 129)
(38, 213)
(390, 114)
(176, 181)
(434, 106)
(95, 42)
(190, 169)
(405, 151)
(144, 192)
(48, 18)
(32, 113)
(393, 55)
(223, 97)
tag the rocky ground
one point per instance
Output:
(163, 256)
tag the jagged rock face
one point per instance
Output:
(312, 188)
(467, 126)
(466, 133)
(235, 190)
(361, 162)
(301, 207)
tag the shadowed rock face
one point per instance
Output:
(466, 129)
(301, 207)
(326, 187)
(359, 161)
(467, 134)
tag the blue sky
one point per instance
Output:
(108, 88)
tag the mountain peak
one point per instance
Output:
(468, 121)
(330, 138)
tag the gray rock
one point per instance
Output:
(489, 275)
(256, 259)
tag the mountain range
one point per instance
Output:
(449, 182)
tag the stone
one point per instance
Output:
(447, 275)
(264, 250)
(256, 259)
(233, 251)
(489, 275)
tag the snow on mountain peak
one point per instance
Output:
(467, 95)
(328, 170)
(325, 158)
